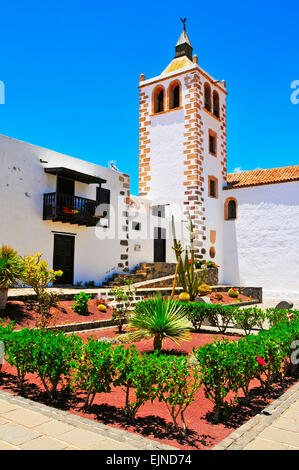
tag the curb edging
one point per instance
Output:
(241, 437)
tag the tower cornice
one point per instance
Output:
(192, 68)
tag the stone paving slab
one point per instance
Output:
(276, 427)
(25, 424)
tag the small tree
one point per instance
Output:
(37, 275)
(138, 375)
(95, 370)
(123, 298)
(178, 384)
(186, 270)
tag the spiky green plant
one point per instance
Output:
(11, 267)
(159, 319)
(190, 279)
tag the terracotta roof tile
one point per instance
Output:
(259, 177)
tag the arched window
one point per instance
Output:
(230, 209)
(158, 99)
(207, 93)
(174, 95)
(216, 110)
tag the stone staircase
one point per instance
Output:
(142, 272)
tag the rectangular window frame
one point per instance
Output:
(215, 180)
(213, 134)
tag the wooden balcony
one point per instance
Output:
(60, 207)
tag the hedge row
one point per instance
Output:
(95, 367)
(221, 367)
(229, 366)
(242, 318)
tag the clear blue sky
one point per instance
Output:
(71, 70)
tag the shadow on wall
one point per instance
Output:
(231, 268)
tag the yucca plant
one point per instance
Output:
(11, 269)
(190, 279)
(159, 318)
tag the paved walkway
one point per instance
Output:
(275, 428)
(25, 424)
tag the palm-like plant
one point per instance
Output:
(159, 319)
(11, 269)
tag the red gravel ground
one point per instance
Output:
(24, 316)
(226, 298)
(153, 419)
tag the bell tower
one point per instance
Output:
(182, 144)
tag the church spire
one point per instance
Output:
(183, 46)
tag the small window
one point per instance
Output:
(216, 110)
(174, 92)
(212, 143)
(207, 95)
(136, 226)
(230, 209)
(158, 211)
(213, 186)
(212, 252)
(158, 100)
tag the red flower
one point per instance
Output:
(261, 361)
(289, 315)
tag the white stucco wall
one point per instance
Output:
(22, 185)
(261, 246)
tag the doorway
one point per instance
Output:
(159, 244)
(63, 258)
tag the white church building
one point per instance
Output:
(84, 220)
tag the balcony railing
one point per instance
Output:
(72, 209)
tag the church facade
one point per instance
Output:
(84, 220)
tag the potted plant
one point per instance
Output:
(68, 210)
(11, 269)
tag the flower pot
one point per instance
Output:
(3, 297)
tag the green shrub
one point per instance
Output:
(81, 303)
(6, 330)
(275, 317)
(220, 315)
(247, 318)
(55, 357)
(234, 293)
(19, 350)
(138, 373)
(196, 314)
(177, 386)
(95, 369)
(217, 370)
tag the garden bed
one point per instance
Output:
(25, 317)
(153, 420)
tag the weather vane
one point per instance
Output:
(183, 20)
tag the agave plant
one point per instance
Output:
(11, 269)
(159, 319)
